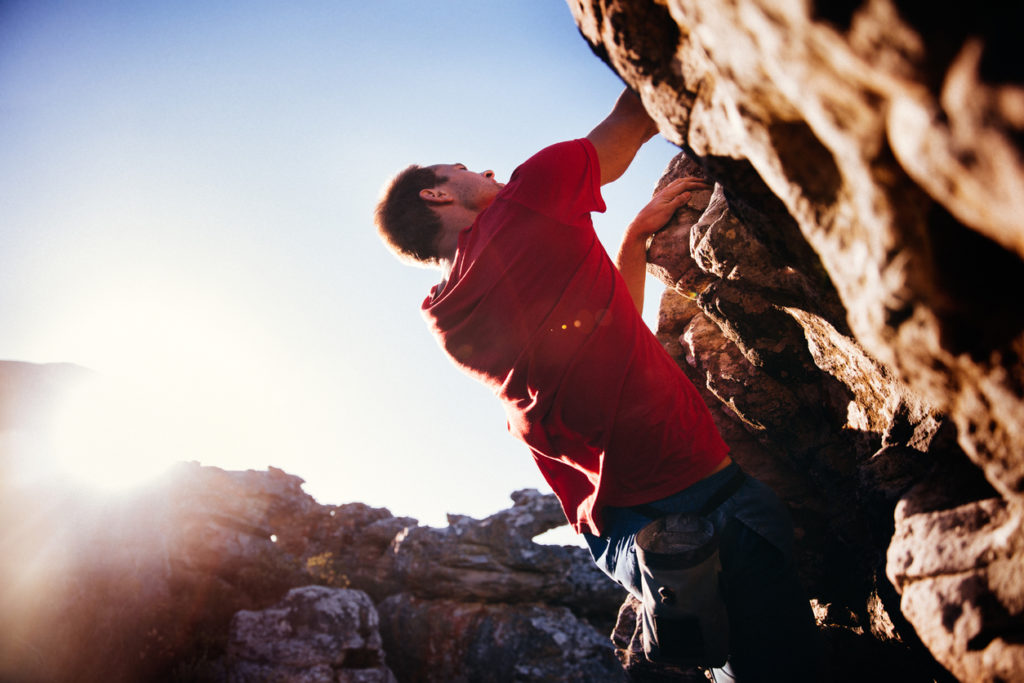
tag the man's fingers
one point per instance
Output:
(694, 183)
(687, 184)
(679, 190)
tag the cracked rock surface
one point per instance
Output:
(846, 295)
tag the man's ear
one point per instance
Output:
(435, 195)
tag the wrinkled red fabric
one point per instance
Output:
(535, 309)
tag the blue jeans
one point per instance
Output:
(772, 631)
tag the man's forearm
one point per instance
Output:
(632, 264)
(621, 134)
(632, 257)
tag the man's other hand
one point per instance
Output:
(663, 205)
(632, 257)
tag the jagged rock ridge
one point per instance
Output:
(211, 575)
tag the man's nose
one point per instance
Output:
(488, 174)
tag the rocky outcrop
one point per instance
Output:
(315, 634)
(495, 560)
(963, 563)
(845, 295)
(211, 575)
(445, 641)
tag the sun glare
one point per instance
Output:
(109, 437)
(180, 375)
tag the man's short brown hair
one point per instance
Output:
(404, 221)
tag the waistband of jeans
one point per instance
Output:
(721, 486)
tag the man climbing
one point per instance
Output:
(530, 304)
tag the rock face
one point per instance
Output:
(845, 296)
(315, 634)
(444, 641)
(964, 564)
(495, 560)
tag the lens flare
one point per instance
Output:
(110, 436)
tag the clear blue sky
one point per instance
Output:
(186, 193)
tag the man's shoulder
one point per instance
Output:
(562, 180)
(561, 153)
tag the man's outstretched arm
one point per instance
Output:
(632, 257)
(621, 134)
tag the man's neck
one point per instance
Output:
(445, 266)
(454, 219)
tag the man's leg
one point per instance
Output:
(772, 631)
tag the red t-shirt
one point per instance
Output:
(535, 309)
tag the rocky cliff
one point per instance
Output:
(845, 296)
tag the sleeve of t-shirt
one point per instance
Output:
(562, 181)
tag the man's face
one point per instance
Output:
(473, 190)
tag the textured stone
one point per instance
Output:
(967, 565)
(315, 634)
(445, 641)
(495, 560)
